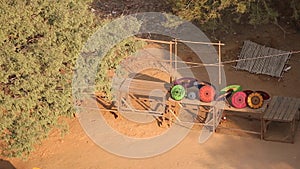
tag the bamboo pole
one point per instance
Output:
(220, 61)
(171, 63)
(203, 43)
(171, 111)
(191, 63)
(157, 41)
(175, 44)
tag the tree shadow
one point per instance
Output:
(106, 105)
(142, 76)
(4, 164)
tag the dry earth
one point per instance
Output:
(221, 151)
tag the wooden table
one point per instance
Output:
(144, 87)
(136, 89)
(223, 105)
(281, 109)
(278, 109)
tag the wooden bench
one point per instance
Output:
(284, 110)
(222, 105)
(137, 90)
(144, 87)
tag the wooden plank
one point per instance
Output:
(281, 111)
(247, 109)
(253, 54)
(147, 93)
(271, 62)
(272, 66)
(292, 110)
(256, 62)
(259, 62)
(149, 86)
(156, 41)
(293, 113)
(263, 61)
(275, 60)
(269, 110)
(222, 105)
(286, 61)
(196, 102)
(148, 89)
(245, 48)
(276, 107)
(288, 110)
(267, 61)
(143, 84)
(246, 55)
(202, 43)
(281, 64)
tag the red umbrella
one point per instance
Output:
(207, 93)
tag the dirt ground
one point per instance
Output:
(222, 151)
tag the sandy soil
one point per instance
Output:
(221, 151)
(76, 150)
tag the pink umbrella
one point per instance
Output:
(238, 100)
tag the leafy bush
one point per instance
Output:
(110, 62)
(210, 13)
(102, 53)
(39, 44)
(39, 47)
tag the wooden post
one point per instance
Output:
(171, 64)
(220, 78)
(175, 46)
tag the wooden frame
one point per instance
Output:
(284, 110)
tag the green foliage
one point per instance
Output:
(110, 62)
(39, 43)
(210, 13)
(260, 12)
(102, 54)
(296, 10)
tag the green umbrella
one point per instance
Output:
(235, 88)
(177, 92)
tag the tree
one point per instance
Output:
(210, 13)
(39, 43)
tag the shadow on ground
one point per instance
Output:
(4, 164)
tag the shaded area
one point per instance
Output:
(4, 164)
(115, 8)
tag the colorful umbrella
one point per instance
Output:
(255, 100)
(238, 100)
(177, 92)
(207, 93)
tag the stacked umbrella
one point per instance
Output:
(206, 92)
